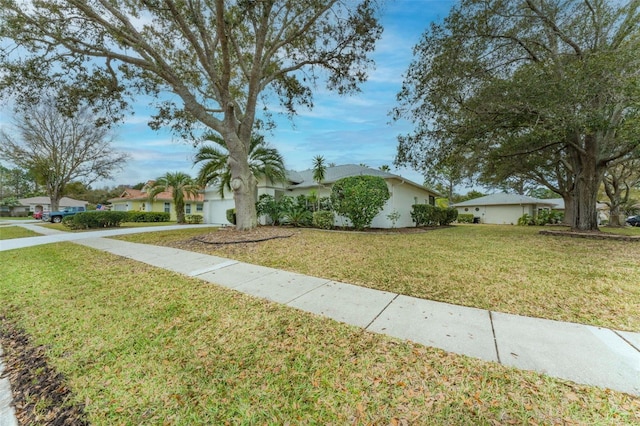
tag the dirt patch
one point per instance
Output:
(230, 235)
(594, 235)
(40, 395)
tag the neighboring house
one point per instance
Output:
(503, 208)
(138, 200)
(30, 206)
(404, 193)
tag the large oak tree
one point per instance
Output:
(218, 58)
(537, 88)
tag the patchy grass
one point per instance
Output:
(10, 232)
(502, 268)
(141, 345)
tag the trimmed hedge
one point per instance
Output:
(428, 215)
(194, 218)
(133, 216)
(465, 218)
(323, 219)
(95, 219)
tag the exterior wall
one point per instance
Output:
(403, 196)
(215, 211)
(499, 215)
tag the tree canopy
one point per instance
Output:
(219, 60)
(540, 90)
(58, 149)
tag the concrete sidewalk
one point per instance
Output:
(580, 353)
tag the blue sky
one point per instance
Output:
(354, 129)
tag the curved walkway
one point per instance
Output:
(581, 353)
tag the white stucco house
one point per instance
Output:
(403, 194)
(503, 208)
(29, 206)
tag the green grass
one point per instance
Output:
(627, 230)
(141, 345)
(9, 232)
(502, 268)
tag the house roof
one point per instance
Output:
(558, 203)
(304, 179)
(64, 201)
(503, 199)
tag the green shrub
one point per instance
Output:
(359, 198)
(298, 215)
(231, 216)
(428, 215)
(136, 216)
(450, 215)
(274, 210)
(323, 219)
(465, 218)
(95, 219)
(194, 218)
(544, 217)
(394, 216)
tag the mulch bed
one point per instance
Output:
(40, 395)
(230, 235)
(595, 235)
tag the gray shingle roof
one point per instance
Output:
(304, 179)
(503, 199)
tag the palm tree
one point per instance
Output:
(264, 161)
(319, 170)
(181, 185)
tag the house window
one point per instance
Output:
(187, 208)
(144, 207)
(167, 207)
(466, 209)
(199, 207)
(432, 200)
(415, 200)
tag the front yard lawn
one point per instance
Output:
(141, 345)
(509, 269)
(10, 232)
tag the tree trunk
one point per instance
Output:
(568, 208)
(55, 196)
(588, 177)
(615, 216)
(244, 195)
(180, 213)
(245, 190)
